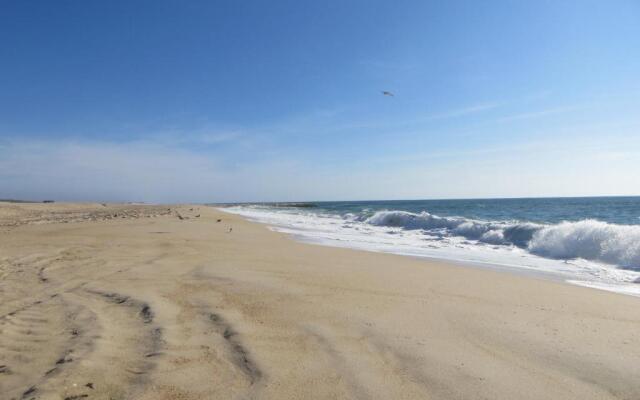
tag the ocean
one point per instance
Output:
(589, 241)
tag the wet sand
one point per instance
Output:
(163, 302)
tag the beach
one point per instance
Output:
(129, 301)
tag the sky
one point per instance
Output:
(234, 101)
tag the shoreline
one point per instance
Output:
(517, 270)
(152, 306)
(578, 272)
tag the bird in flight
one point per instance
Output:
(385, 93)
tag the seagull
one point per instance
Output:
(385, 93)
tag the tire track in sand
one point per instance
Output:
(123, 341)
(37, 342)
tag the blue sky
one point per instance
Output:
(257, 101)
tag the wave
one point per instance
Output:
(518, 234)
(587, 239)
(590, 240)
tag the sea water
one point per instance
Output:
(592, 241)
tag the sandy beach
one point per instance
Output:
(107, 301)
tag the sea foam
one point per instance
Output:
(587, 239)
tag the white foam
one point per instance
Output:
(591, 240)
(588, 239)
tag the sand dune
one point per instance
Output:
(163, 302)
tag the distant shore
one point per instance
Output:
(129, 301)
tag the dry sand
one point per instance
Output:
(146, 305)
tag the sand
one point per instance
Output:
(158, 303)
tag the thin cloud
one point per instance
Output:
(194, 137)
(464, 111)
(146, 171)
(150, 171)
(155, 172)
(217, 137)
(538, 114)
(451, 114)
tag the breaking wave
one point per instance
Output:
(590, 240)
(587, 239)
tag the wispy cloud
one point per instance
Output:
(461, 112)
(103, 170)
(151, 171)
(215, 137)
(195, 137)
(160, 172)
(407, 121)
(539, 114)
